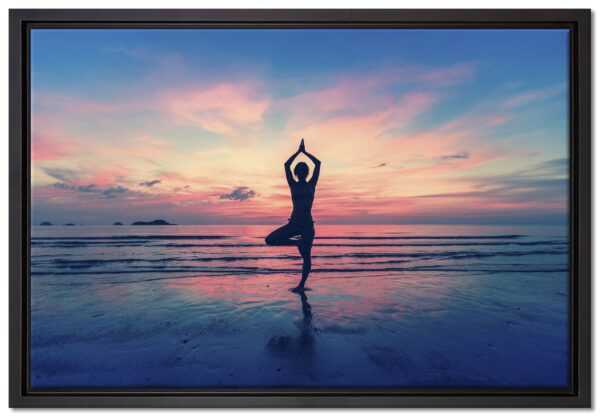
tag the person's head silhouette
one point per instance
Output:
(301, 171)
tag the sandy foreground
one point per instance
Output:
(388, 329)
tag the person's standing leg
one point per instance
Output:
(305, 248)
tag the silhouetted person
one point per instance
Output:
(300, 231)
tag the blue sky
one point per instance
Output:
(461, 113)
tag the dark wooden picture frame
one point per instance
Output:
(577, 21)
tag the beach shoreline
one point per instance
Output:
(475, 319)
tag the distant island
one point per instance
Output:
(158, 222)
(117, 224)
(45, 224)
(69, 224)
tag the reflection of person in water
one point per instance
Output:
(307, 338)
(298, 351)
(300, 230)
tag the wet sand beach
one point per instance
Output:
(210, 306)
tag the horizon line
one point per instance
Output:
(325, 224)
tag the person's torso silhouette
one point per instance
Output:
(303, 195)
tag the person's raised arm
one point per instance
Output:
(317, 170)
(288, 170)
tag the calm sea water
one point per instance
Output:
(131, 253)
(418, 305)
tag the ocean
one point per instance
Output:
(428, 306)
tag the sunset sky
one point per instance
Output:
(193, 126)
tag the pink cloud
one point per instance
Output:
(48, 146)
(221, 108)
(359, 131)
(531, 96)
(368, 92)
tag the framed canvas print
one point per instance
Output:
(300, 208)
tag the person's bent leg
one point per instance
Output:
(282, 236)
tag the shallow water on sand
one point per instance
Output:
(209, 306)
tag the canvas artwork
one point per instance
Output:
(299, 208)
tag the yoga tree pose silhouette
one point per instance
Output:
(300, 230)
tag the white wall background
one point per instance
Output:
(241, 4)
